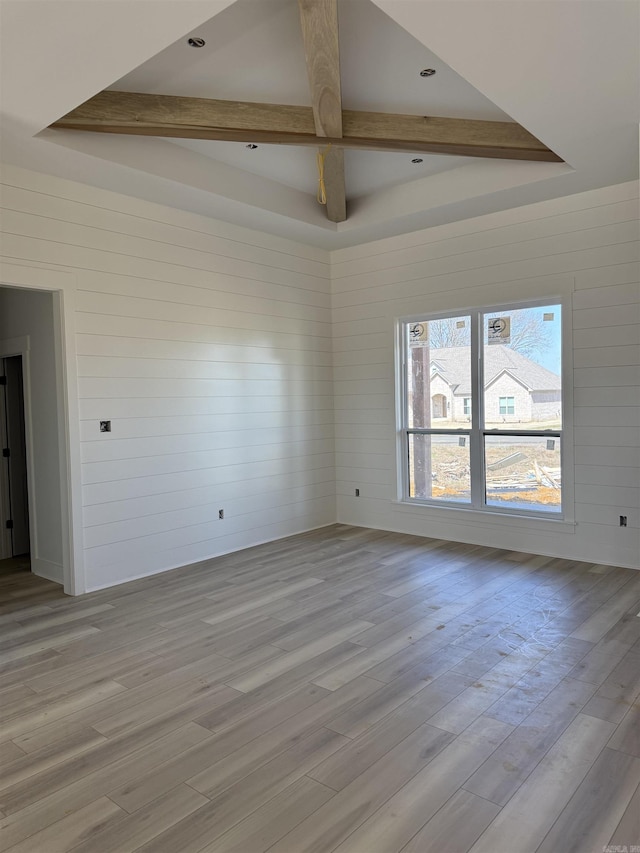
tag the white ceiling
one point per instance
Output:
(366, 171)
(567, 71)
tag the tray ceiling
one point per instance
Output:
(494, 61)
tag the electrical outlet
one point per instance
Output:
(220, 513)
(357, 493)
(623, 521)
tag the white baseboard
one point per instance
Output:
(253, 544)
(47, 569)
(468, 539)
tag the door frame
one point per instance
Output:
(62, 284)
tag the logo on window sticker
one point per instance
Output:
(419, 335)
(548, 316)
(499, 330)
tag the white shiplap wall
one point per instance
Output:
(589, 240)
(209, 348)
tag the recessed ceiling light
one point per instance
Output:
(427, 72)
(417, 160)
(251, 146)
(194, 41)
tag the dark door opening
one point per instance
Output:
(14, 456)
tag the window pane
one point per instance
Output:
(523, 472)
(439, 373)
(507, 406)
(522, 357)
(439, 467)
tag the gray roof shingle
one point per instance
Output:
(453, 365)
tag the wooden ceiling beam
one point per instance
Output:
(319, 22)
(277, 124)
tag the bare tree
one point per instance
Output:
(529, 333)
(447, 333)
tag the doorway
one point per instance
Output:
(439, 406)
(14, 489)
(37, 322)
(31, 411)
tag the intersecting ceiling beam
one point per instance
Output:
(276, 124)
(319, 22)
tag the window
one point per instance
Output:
(507, 405)
(464, 441)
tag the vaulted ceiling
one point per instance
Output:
(566, 72)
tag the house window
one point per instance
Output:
(486, 460)
(507, 405)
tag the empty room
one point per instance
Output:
(320, 426)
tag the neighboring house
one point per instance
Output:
(517, 389)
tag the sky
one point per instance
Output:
(549, 317)
(550, 356)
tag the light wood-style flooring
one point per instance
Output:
(343, 690)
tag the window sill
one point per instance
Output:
(482, 518)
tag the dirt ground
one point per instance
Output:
(451, 474)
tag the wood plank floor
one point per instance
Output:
(344, 690)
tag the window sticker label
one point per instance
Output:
(499, 330)
(547, 316)
(419, 335)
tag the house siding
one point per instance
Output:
(546, 405)
(458, 408)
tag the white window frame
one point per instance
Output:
(507, 405)
(476, 432)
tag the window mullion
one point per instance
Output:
(404, 439)
(477, 415)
